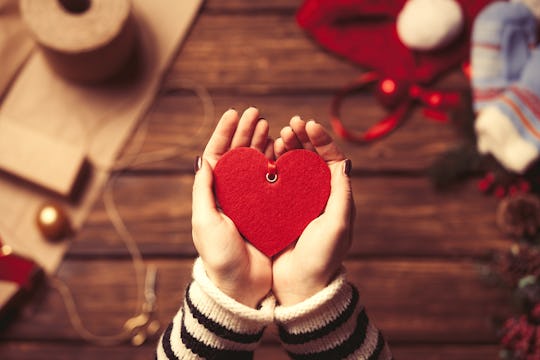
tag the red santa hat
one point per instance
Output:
(410, 40)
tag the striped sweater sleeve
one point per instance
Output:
(212, 325)
(332, 324)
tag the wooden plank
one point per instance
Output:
(69, 351)
(395, 217)
(47, 351)
(412, 301)
(176, 124)
(408, 216)
(264, 52)
(240, 6)
(253, 53)
(441, 352)
(413, 352)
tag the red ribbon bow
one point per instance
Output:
(398, 96)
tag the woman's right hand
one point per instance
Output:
(309, 266)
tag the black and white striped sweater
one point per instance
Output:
(332, 324)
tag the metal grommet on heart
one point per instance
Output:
(271, 178)
(271, 174)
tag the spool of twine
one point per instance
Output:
(85, 41)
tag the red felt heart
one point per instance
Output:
(271, 215)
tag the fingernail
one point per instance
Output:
(347, 167)
(197, 164)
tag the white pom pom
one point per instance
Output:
(429, 24)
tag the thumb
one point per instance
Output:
(340, 202)
(203, 201)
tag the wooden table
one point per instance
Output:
(417, 253)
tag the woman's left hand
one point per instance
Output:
(234, 265)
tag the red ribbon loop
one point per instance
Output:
(272, 169)
(436, 103)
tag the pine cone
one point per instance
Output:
(514, 265)
(519, 215)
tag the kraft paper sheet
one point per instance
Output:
(100, 118)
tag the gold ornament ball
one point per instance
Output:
(53, 222)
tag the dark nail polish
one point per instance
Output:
(347, 167)
(197, 164)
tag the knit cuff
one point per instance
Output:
(331, 324)
(508, 129)
(306, 316)
(239, 316)
(211, 324)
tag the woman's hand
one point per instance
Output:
(232, 264)
(308, 266)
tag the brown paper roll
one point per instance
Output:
(86, 41)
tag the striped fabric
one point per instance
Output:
(523, 108)
(211, 325)
(330, 325)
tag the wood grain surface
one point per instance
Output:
(419, 256)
